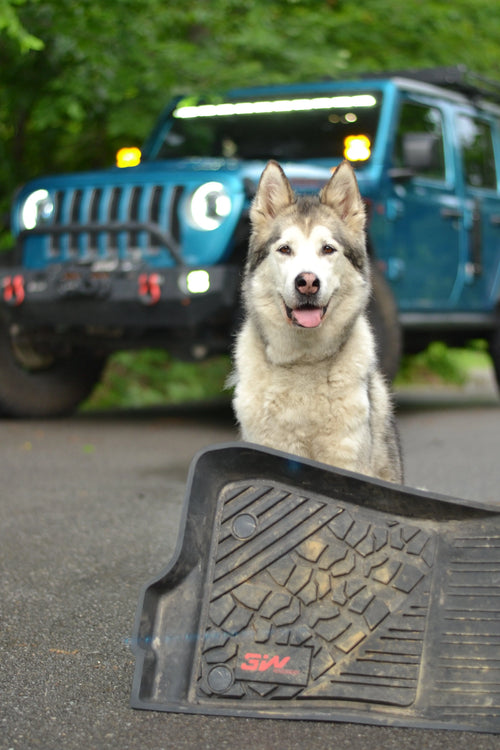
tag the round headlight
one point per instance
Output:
(209, 206)
(37, 207)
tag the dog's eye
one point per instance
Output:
(329, 249)
(285, 249)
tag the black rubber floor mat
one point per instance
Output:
(301, 592)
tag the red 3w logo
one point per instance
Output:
(285, 665)
(263, 662)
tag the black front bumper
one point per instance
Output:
(121, 297)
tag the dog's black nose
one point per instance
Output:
(307, 283)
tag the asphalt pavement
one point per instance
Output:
(90, 508)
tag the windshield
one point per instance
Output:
(321, 127)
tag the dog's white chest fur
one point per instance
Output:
(317, 410)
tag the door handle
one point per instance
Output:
(476, 240)
(495, 220)
(452, 213)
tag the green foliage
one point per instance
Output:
(439, 364)
(11, 25)
(152, 377)
(387, 34)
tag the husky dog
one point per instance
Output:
(305, 369)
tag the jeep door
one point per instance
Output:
(477, 164)
(422, 211)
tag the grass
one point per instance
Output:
(442, 365)
(152, 377)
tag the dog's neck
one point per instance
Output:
(288, 346)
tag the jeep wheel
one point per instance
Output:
(35, 384)
(383, 315)
(494, 348)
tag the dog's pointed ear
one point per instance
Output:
(274, 193)
(342, 194)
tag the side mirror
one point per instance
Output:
(420, 151)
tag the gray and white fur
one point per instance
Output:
(305, 373)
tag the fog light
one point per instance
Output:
(198, 282)
(357, 147)
(128, 157)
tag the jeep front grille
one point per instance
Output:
(111, 222)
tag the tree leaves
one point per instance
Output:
(11, 25)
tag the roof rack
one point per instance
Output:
(456, 77)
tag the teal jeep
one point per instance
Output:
(150, 255)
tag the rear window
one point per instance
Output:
(478, 156)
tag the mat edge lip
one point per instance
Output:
(321, 715)
(137, 650)
(403, 488)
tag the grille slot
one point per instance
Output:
(93, 217)
(75, 247)
(55, 240)
(133, 212)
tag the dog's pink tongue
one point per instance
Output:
(307, 317)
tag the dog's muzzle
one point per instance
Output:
(306, 314)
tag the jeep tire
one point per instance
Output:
(494, 349)
(383, 316)
(33, 385)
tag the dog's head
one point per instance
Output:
(307, 255)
